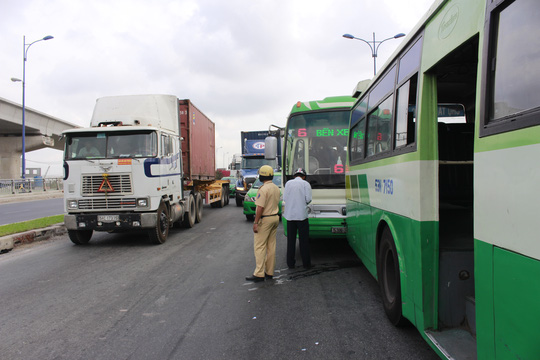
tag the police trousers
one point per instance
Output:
(264, 246)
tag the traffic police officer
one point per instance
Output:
(265, 226)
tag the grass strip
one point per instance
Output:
(30, 225)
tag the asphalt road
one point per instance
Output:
(121, 298)
(30, 210)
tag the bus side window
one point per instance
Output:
(379, 128)
(357, 132)
(357, 141)
(406, 113)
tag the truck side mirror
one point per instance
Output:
(270, 148)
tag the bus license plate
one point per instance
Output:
(339, 230)
(108, 218)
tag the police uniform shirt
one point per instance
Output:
(268, 198)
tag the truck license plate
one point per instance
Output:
(339, 230)
(108, 218)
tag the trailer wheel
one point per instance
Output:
(389, 279)
(222, 201)
(198, 207)
(80, 237)
(158, 235)
(225, 191)
(191, 215)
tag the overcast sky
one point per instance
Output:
(243, 63)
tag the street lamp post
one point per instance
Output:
(374, 46)
(25, 56)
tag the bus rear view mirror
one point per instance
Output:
(270, 148)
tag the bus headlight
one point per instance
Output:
(72, 204)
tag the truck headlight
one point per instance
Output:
(142, 202)
(73, 204)
(239, 188)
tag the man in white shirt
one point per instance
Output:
(296, 197)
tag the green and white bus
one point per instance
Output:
(315, 139)
(442, 176)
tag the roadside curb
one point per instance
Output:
(9, 242)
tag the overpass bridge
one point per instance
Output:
(42, 131)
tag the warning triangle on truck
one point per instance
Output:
(105, 186)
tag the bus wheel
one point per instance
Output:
(389, 278)
(190, 215)
(158, 235)
(199, 207)
(80, 237)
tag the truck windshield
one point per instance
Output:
(257, 162)
(317, 142)
(111, 145)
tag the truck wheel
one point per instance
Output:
(80, 237)
(225, 191)
(198, 207)
(389, 279)
(158, 235)
(191, 215)
(250, 217)
(222, 201)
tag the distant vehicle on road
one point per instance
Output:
(253, 143)
(130, 171)
(315, 139)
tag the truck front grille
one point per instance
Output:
(121, 184)
(107, 203)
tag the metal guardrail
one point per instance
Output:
(22, 186)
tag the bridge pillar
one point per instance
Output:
(10, 158)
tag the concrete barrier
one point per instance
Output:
(9, 242)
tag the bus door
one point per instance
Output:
(456, 89)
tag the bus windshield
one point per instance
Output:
(317, 142)
(111, 145)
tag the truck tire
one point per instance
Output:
(250, 217)
(222, 201)
(198, 207)
(388, 274)
(80, 237)
(225, 191)
(158, 235)
(191, 215)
